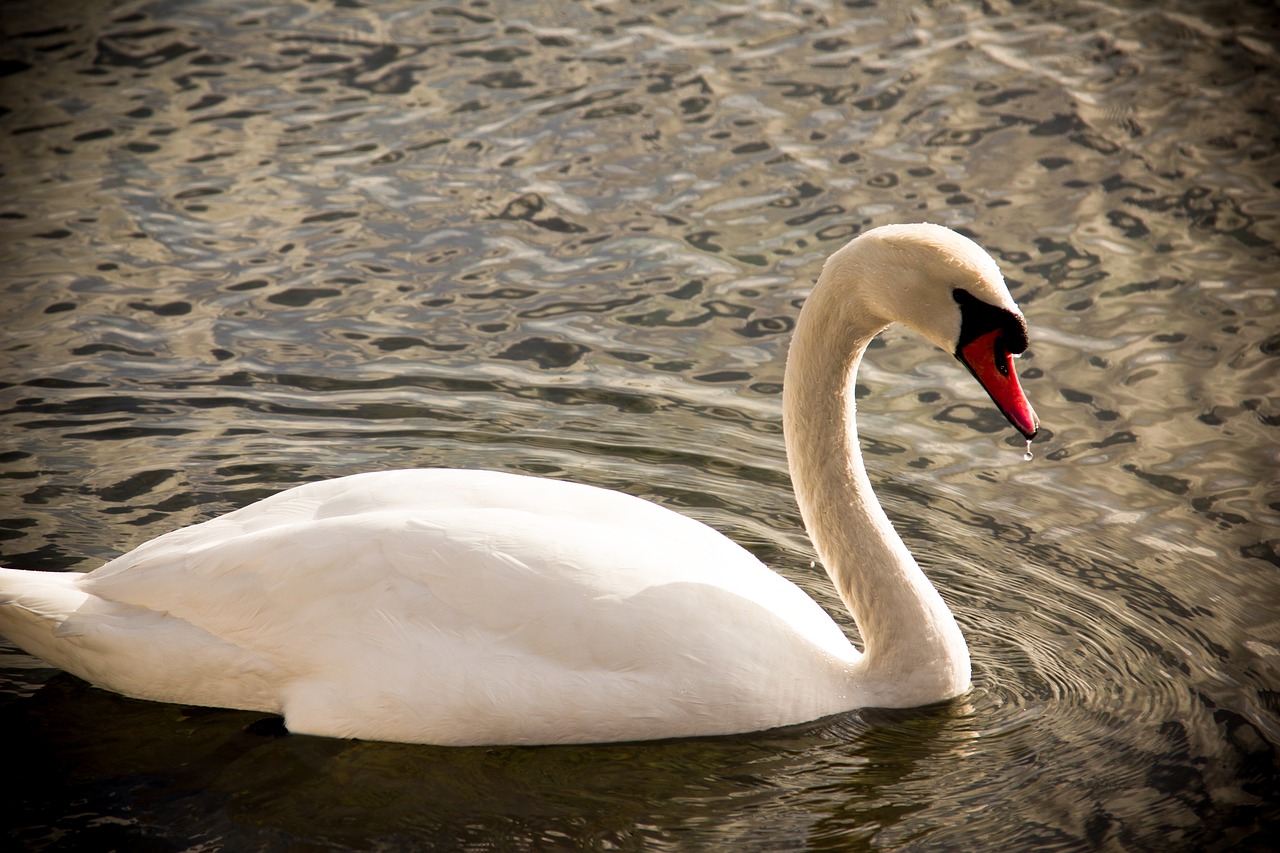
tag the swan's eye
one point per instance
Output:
(978, 318)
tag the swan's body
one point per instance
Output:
(473, 607)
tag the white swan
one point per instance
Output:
(472, 607)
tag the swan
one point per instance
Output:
(467, 607)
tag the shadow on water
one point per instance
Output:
(160, 775)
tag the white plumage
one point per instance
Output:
(475, 607)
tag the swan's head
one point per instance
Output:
(944, 286)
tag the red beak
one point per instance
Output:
(992, 365)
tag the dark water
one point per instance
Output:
(248, 245)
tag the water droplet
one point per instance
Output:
(1028, 456)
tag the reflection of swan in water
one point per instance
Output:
(467, 607)
(191, 769)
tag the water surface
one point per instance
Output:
(248, 245)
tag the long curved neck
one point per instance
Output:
(913, 651)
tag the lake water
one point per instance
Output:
(250, 244)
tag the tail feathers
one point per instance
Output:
(34, 608)
(48, 596)
(132, 650)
